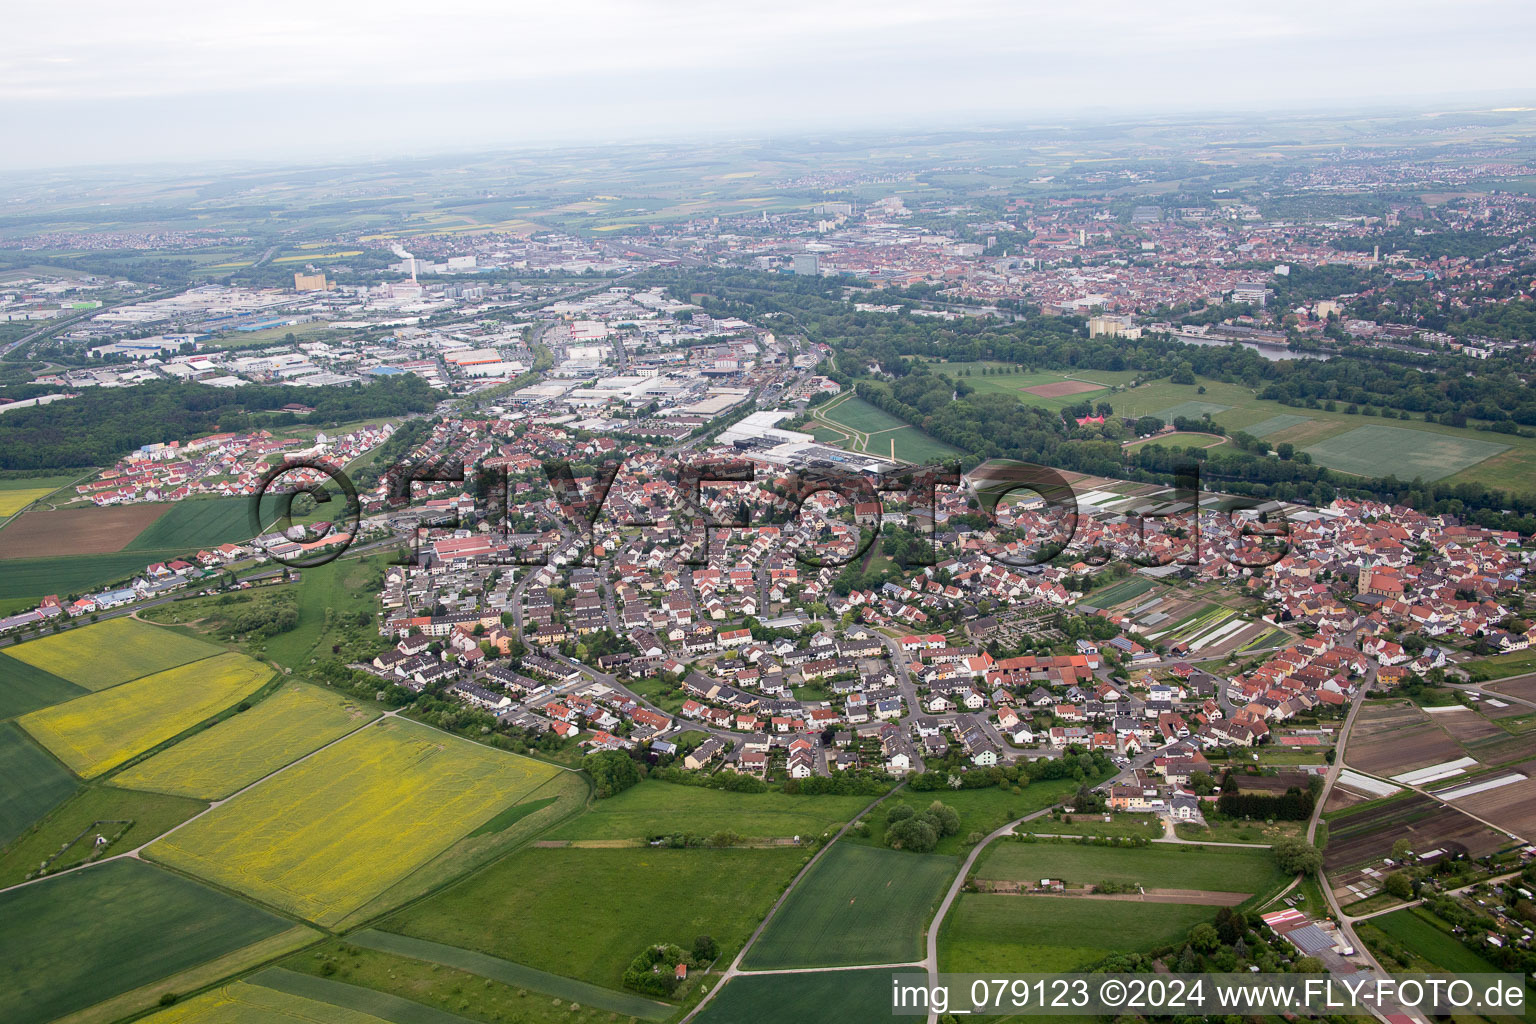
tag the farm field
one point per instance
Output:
(655, 808)
(25, 688)
(859, 905)
(96, 733)
(42, 533)
(196, 523)
(1511, 806)
(1395, 737)
(78, 939)
(1363, 833)
(237, 751)
(1121, 592)
(307, 840)
(135, 817)
(14, 499)
(1210, 868)
(243, 1003)
(35, 783)
(111, 652)
(1009, 933)
(849, 997)
(586, 913)
(28, 578)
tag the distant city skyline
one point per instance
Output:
(303, 81)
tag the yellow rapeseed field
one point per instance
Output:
(327, 835)
(99, 731)
(235, 753)
(12, 502)
(111, 652)
(244, 1003)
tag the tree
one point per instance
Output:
(1309, 965)
(1202, 783)
(705, 949)
(1203, 937)
(1399, 884)
(613, 771)
(915, 834)
(1400, 850)
(899, 812)
(1297, 856)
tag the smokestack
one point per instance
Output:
(893, 449)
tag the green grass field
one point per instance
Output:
(150, 814)
(586, 913)
(509, 973)
(111, 652)
(1501, 666)
(1191, 409)
(981, 810)
(339, 996)
(848, 997)
(78, 939)
(309, 839)
(1378, 449)
(338, 603)
(1212, 868)
(196, 523)
(1305, 428)
(36, 783)
(1275, 424)
(660, 808)
(987, 933)
(237, 751)
(856, 425)
(25, 688)
(1417, 930)
(859, 905)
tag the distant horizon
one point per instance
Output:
(360, 155)
(177, 80)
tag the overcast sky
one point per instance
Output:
(111, 82)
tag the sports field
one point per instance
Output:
(25, 688)
(856, 425)
(847, 997)
(35, 783)
(243, 1003)
(1275, 424)
(1190, 410)
(859, 905)
(216, 762)
(197, 523)
(660, 808)
(1211, 868)
(73, 941)
(1378, 449)
(586, 913)
(96, 733)
(988, 932)
(111, 652)
(311, 839)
